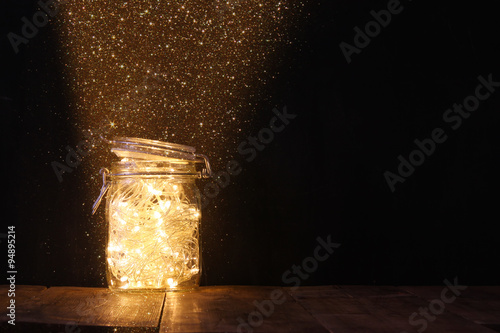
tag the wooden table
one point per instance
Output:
(342, 309)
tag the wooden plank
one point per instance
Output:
(374, 291)
(484, 312)
(317, 292)
(91, 306)
(217, 309)
(59, 328)
(23, 293)
(438, 320)
(348, 314)
(472, 292)
(380, 310)
(480, 304)
(319, 309)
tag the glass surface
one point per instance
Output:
(153, 239)
(153, 209)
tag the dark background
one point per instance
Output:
(323, 175)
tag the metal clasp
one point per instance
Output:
(207, 171)
(104, 189)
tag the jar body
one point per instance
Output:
(153, 229)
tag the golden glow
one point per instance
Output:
(151, 245)
(185, 70)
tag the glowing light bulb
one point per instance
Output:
(165, 205)
(153, 190)
(171, 283)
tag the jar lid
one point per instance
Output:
(145, 149)
(128, 148)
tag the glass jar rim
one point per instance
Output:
(147, 168)
(147, 149)
(138, 150)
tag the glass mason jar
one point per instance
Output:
(153, 211)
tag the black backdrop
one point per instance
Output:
(323, 175)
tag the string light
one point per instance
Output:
(153, 233)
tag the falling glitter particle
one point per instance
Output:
(150, 65)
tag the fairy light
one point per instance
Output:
(153, 211)
(152, 245)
